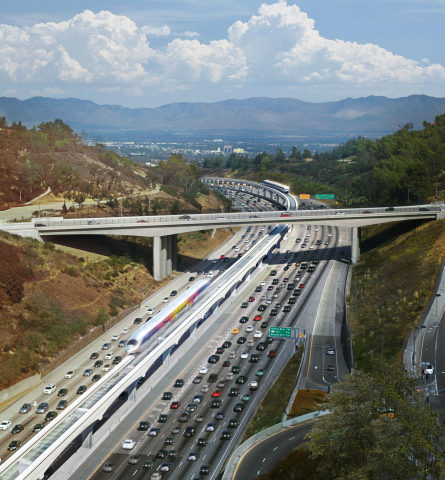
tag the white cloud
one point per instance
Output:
(276, 52)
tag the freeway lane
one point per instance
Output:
(262, 457)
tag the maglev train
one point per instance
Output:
(277, 186)
(138, 341)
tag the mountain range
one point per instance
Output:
(362, 116)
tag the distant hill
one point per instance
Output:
(362, 116)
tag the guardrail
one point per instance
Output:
(36, 456)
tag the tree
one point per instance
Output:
(379, 428)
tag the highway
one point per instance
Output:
(216, 450)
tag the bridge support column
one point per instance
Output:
(164, 256)
(355, 253)
(88, 440)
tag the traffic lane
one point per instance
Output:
(263, 456)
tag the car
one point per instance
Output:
(216, 403)
(201, 442)
(244, 305)
(301, 285)
(109, 356)
(366, 211)
(330, 351)
(143, 426)
(251, 299)
(253, 385)
(82, 389)
(151, 310)
(210, 427)
(219, 415)
(69, 374)
(269, 288)
(62, 405)
(235, 369)
(165, 300)
(235, 331)
(227, 344)
(246, 397)
(137, 321)
(191, 279)
(286, 309)
(191, 407)
(241, 340)
(50, 416)
(175, 430)
(429, 369)
(42, 408)
(241, 379)
(115, 337)
(239, 407)
(96, 378)
(107, 467)
(272, 353)
(257, 318)
(184, 417)
(98, 363)
(197, 398)
(106, 367)
(122, 343)
(213, 359)
(133, 459)
(261, 346)
(254, 358)
(192, 457)
(169, 440)
(25, 408)
(17, 428)
(37, 427)
(233, 423)
(226, 435)
(330, 368)
(161, 453)
(106, 346)
(204, 470)
(147, 465)
(216, 393)
(244, 355)
(249, 328)
(14, 445)
(260, 372)
(172, 452)
(49, 389)
(167, 396)
(117, 359)
(197, 379)
(243, 320)
(153, 432)
(128, 444)
(226, 363)
(199, 418)
(174, 405)
(205, 388)
(258, 334)
(261, 308)
(340, 213)
(285, 214)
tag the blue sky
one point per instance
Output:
(153, 52)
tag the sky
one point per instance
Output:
(148, 53)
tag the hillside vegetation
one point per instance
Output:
(404, 167)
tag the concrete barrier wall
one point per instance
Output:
(19, 388)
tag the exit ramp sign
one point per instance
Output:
(280, 332)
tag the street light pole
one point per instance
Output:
(437, 296)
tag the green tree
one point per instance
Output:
(379, 428)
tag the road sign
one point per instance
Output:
(305, 196)
(280, 332)
(324, 196)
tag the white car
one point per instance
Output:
(106, 367)
(311, 247)
(165, 300)
(210, 274)
(253, 385)
(5, 424)
(340, 213)
(249, 328)
(125, 331)
(263, 283)
(244, 355)
(236, 249)
(151, 310)
(69, 374)
(262, 229)
(203, 370)
(128, 444)
(109, 356)
(329, 234)
(246, 248)
(49, 389)
(258, 334)
(429, 369)
(115, 337)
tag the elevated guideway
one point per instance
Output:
(36, 456)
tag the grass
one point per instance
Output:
(395, 282)
(271, 410)
(307, 401)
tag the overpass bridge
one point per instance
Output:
(164, 228)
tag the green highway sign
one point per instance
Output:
(280, 332)
(324, 196)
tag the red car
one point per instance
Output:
(222, 256)
(251, 299)
(216, 393)
(142, 221)
(174, 405)
(272, 353)
(285, 214)
(257, 318)
(301, 285)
